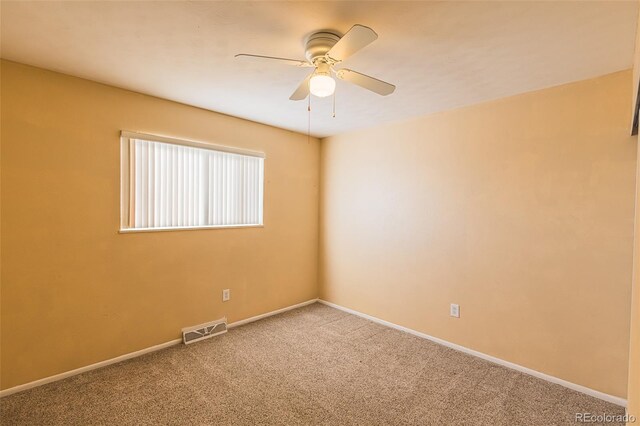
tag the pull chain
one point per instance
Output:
(309, 112)
(334, 103)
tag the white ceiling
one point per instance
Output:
(441, 55)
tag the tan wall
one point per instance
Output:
(633, 394)
(74, 290)
(521, 210)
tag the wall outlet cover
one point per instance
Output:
(455, 310)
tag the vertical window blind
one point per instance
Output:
(180, 186)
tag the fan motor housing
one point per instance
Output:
(318, 44)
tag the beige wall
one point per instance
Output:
(521, 210)
(633, 394)
(74, 290)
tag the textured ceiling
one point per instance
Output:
(441, 55)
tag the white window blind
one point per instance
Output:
(179, 186)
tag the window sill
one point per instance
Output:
(185, 228)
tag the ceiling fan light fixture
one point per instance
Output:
(324, 50)
(322, 85)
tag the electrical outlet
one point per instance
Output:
(226, 295)
(454, 310)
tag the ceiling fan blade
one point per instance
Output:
(302, 91)
(294, 62)
(378, 86)
(355, 39)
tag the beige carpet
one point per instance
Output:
(315, 365)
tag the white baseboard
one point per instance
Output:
(268, 314)
(579, 388)
(135, 354)
(84, 369)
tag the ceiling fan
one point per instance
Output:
(323, 51)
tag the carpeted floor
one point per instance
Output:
(312, 366)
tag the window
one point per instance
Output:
(168, 184)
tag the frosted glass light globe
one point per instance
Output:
(322, 85)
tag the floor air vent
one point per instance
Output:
(204, 331)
